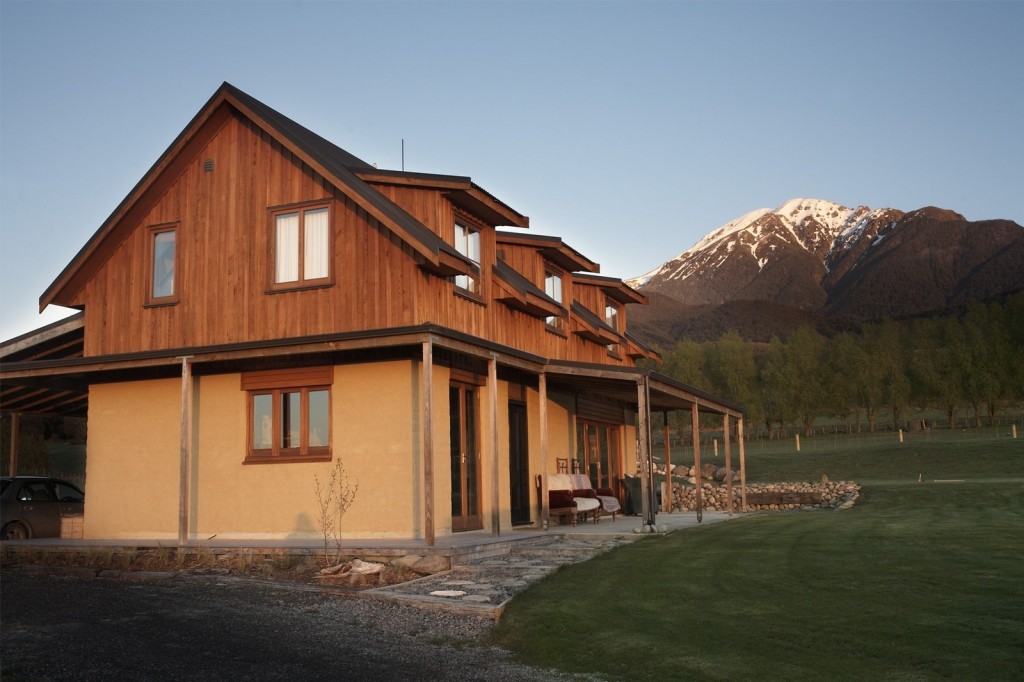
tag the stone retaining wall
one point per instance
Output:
(769, 496)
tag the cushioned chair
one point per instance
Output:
(609, 503)
(564, 500)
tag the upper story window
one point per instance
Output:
(611, 315)
(553, 288)
(467, 242)
(302, 246)
(163, 263)
(611, 318)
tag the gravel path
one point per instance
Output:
(217, 628)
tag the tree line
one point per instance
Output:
(972, 359)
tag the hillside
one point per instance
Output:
(818, 263)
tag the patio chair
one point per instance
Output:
(609, 503)
(564, 500)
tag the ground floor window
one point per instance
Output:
(289, 414)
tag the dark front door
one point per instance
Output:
(518, 463)
(465, 458)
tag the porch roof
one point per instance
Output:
(36, 378)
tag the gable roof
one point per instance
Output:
(336, 165)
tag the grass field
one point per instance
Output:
(919, 581)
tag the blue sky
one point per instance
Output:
(630, 129)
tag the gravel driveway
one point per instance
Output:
(224, 628)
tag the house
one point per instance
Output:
(264, 304)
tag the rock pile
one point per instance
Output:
(768, 496)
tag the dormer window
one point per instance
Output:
(467, 242)
(553, 288)
(302, 247)
(611, 318)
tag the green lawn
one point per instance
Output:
(919, 581)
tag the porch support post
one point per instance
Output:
(492, 381)
(743, 465)
(12, 463)
(728, 464)
(185, 449)
(427, 385)
(668, 465)
(542, 389)
(695, 418)
(643, 429)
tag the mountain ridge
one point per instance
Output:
(816, 260)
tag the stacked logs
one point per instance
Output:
(826, 495)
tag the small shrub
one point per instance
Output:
(334, 499)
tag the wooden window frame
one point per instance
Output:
(613, 348)
(301, 283)
(277, 384)
(152, 232)
(474, 284)
(555, 323)
(477, 292)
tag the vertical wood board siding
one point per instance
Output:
(225, 237)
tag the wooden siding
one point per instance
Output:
(225, 243)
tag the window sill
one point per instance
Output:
(160, 303)
(301, 286)
(286, 459)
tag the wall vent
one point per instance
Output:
(208, 166)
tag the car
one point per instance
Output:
(32, 506)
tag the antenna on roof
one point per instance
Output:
(403, 154)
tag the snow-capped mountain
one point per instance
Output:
(815, 257)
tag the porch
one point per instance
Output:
(459, 548)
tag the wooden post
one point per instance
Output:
(714, 441)
(643, 426)
(743, 465)
(427, 381)
(798, 442)
(667, 502)
(728, 464)
(901, 435)
(492, 380)
(184, 449)
(695, 419)
(542, 388)
(1013, 430)
(12, 463)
